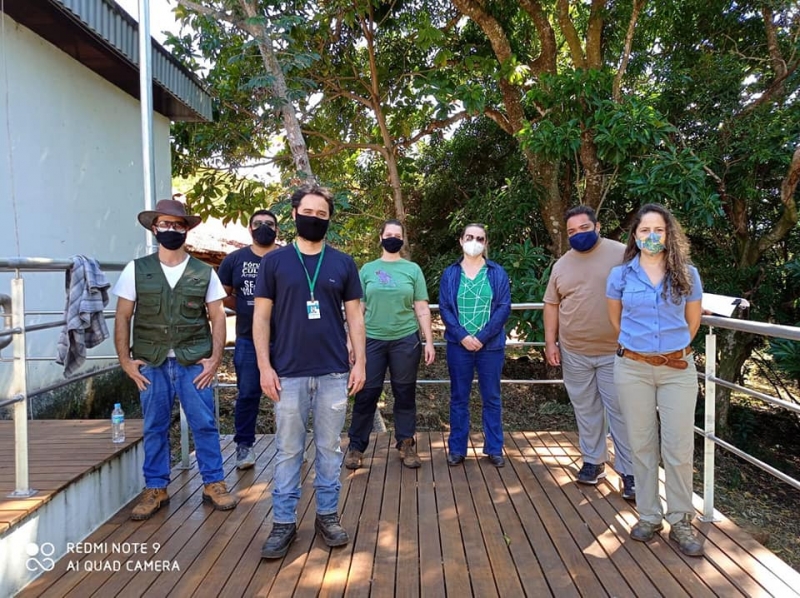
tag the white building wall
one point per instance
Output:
(70, 178)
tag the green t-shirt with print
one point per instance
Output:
(390, 290)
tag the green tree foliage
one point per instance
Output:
(507, 113)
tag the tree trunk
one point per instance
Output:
(734, 350)
(294, 134)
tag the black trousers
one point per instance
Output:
(402, 357)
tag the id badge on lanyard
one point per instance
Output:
(312, 307)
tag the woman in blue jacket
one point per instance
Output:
(475, 302)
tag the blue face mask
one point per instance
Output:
(652, 244)
(584, 241)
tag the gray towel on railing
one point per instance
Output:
(87, 295)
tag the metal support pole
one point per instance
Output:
(710, 427)
(146, 105)
(19, 386)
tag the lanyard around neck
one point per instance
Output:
(311, 281)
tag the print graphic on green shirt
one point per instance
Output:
(390, 290)
(474, 301)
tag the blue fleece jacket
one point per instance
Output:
(493, 335)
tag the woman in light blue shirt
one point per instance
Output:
(654, 304)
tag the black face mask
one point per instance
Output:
(392, 244)
(264, 235)
(311, 228)
(171, 240)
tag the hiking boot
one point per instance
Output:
(408, 453)
(217, 494)
(497, 460)
(279, 540)
(353, 459)
(591, 473)
(644, 531)
(245, 456)
(628, 487)
(453, 460)
(151, 501)
(683, 533)
(330, 529)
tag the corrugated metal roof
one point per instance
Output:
(111, 23)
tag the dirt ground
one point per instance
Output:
(755, 500)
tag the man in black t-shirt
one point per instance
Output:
(304, 363)
(238, 273)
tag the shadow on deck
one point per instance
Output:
(524, 530)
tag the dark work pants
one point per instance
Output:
(402, 358)
(248, 382)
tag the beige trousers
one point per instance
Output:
(648, 394)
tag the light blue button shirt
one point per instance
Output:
(650, 323)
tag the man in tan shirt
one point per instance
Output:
(579, 338)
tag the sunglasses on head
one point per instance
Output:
(474, 238)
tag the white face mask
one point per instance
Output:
(473, 248)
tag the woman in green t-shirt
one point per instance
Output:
(396, 309)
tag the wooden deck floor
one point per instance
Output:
(524, 530)
(59, 452)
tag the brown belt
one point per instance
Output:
(671, 360)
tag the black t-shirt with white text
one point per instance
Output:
(239, 270)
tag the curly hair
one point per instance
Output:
(676, 253)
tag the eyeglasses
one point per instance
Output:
(259, 223)
(474, 238)
(166, 225)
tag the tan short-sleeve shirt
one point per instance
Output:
(578, 286)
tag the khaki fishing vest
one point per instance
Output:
(165, 318)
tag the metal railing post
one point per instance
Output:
(709, 447)
(19, 387)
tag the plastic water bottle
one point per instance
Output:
(117, 424)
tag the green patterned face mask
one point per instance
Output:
(652, 244)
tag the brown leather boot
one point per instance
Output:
(353, 459)
(152, 500)
(408, 453)
(217, 494)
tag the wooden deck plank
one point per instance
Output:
(250, 491)
(283, 574)
(431, 575)
(408, 559)
(716, 584)
(59, 452)
(472, 530)
(384, 569)
(506, 577)
(356, 485)
(373, 475)
(542, 491)
(454, 557)
(250, 560)
(478, 564)
(169, 528)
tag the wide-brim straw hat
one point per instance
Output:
(167, 207)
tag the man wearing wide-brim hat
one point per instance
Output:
(171, 297)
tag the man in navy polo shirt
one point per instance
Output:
(307, 368)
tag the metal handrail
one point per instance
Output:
(18, 333)
(19, 395)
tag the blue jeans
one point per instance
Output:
(167, 380)
(326, 398)
(462, 364)
(248, 383)
(402, 358)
